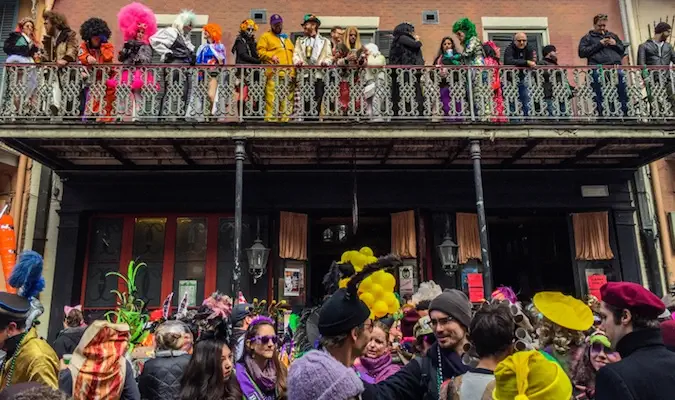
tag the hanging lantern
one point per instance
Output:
(448, 253)
(257, 257)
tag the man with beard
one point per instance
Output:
(60, 47)
(275, 47)
(311, 50)
(657, 51)
(336, 36)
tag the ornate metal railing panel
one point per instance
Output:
(208, 94)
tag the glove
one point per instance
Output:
(193, 59)
(168, 58)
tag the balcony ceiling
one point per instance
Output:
(338, 146)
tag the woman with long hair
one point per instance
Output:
(492, 57)
(406, 50)
(210, 53)
(596, 353)
(260, 372)
(209, 375)
(447, 56)
(376, 363)
(22, 47)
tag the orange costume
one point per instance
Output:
(105, 54)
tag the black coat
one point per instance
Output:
(161, 376)
(16, 44)
(67, 340)
(518, 57)
(245, 50)
(648, 53)
(405, 50)
(645, 372)
(599, 54)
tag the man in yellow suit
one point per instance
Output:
(275, 47)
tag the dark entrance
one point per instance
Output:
(531, 253)
(330, 236)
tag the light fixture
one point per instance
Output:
(257, 256)
(448, 251)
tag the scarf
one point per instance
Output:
(98, 366)
(379, 368)
(452, 364)
(266, 379)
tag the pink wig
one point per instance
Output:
(134, 15)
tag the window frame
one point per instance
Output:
(512, 25)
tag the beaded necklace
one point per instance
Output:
(12, 365)
(439, 372)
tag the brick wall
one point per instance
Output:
(568, 19)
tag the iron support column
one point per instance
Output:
(239, 157)
(482, 220)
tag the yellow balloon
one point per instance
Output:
(368, 298)
(371, 260)
(367, 251)
(388, 282)
(390, 299)
(377, 276)
(366, 285)
(393, 309)
(343, 283)
(380, 309)
(377, 290)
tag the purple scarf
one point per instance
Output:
(379, 368)
(265, 379)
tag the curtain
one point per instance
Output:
(591, 236)
(403, 236)
(293, 236)
(467, 237)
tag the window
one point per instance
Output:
(502, 29)
(149, 240)
(103, 256)
(8, 17)
(383, 41)
(259, 16)
(430, 17)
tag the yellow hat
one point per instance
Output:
(564, 310)
(527, 375)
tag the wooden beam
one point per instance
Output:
(115, 154)
(531, 144)
(460, 149)
(184, 155)
(585, 152)
(387, 153)
(39, 154)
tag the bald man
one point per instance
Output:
(520, 54)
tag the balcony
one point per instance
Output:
(119, 116)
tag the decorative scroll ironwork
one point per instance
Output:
(201, 94)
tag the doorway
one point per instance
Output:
(330, 236)
(531, 254)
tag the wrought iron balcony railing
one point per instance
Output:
(202, 94)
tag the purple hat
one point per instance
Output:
(276, 19)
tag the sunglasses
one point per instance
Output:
(597, 348)
(265, 339)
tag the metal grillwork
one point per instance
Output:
(208, 94)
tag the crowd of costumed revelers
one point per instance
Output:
(362, 342)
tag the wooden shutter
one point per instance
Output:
(383, 41)
(503, 40)
(8, 20)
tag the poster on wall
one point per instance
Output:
(407, 281)
(292, 282)
(188, 288)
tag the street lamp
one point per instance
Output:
(257, 256)
(448, 251)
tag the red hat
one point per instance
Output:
(410, 318)
(633, 297)
(668, 333)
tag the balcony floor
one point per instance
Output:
(405, 145)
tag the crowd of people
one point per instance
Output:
(436, 346)
(295, 90)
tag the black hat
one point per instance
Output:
(13, 306)
(344, 311)
(548, 49)
(241, 311)
(310, 18)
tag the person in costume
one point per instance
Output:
(22, 47)
(137, 23)
(28, 358)
(275, 47)
(529, 375)
(241, 318)
(424, 336)
(492, 59)
(447, 56)
(376, 363)
(174, 47)
(561, 330)
(597, 353)
(210, 53)
(60, 47)
(374, 81)
(73, 329)
(98, 368)
(246, 53)
(406, 49)
(629, 314)
(96, 49)
(161, 376)
(311, 49)
(260, 373)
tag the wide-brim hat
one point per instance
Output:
(564, 310)
(310, 18)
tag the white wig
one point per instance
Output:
(372, 49)
(185, 18)
(427, 291)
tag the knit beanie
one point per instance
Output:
(341, 313)
(668, 333)
(318, 376)
(527, 375)
(455, 303)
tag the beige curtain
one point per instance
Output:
(403, 236)
(293, 236)
(591, 236)
(467, 237)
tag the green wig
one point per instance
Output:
(465, 25)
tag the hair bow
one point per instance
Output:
(68, 309)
